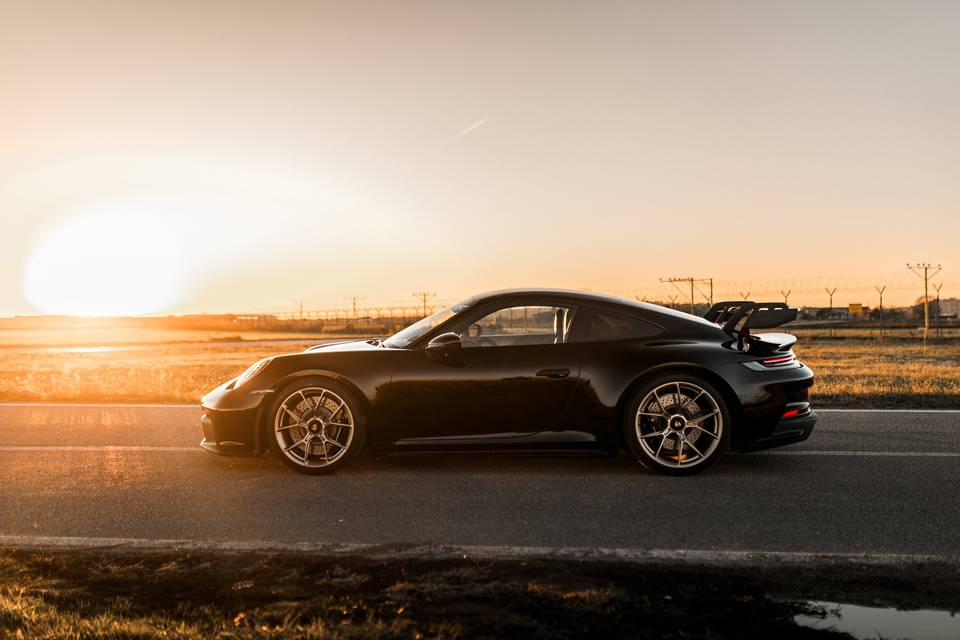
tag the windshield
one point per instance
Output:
(406, 337)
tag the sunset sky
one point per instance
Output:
(169, 157)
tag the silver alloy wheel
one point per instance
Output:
(314, 427)
(679, 424)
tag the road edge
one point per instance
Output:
(712, 557)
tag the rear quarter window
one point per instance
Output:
(609, 325)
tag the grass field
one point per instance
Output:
(122, 593)
(179, 367)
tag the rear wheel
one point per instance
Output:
(677, 424)
(316, 425)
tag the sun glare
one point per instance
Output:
(104, 264)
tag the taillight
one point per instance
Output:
(778, 361)
(791, 413)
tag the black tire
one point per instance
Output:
(682, 414)
(313, 401)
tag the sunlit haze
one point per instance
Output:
(171, 158)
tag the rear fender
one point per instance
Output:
(733, 401)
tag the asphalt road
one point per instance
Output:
(866, 482)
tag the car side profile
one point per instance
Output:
(537, 369)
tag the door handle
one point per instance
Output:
(553, 373)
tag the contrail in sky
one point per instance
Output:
(469, 129)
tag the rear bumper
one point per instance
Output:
(228, 422)
(788, 430)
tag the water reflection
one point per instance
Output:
(873, 622)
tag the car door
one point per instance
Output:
(516, 374)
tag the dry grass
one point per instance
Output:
(79, 336)
(167, 373)
(892, 374)
(850, 372)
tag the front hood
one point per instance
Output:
(350, 345)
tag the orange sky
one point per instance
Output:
(175, 157)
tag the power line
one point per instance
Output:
(922, 269)
(353, 300)
(692, 282)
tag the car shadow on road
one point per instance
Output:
(370, 463)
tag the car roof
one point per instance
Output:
(587, 297)
(575, 294)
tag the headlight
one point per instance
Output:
(251, 371)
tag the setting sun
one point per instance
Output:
(104, 263)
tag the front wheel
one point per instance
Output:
(677, 424)
(316, 425)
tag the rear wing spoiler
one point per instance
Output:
(738, 317)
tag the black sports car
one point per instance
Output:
(536, 369)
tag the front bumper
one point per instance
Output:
(229, 421)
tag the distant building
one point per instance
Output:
(824, 313)
(949, 308)
(857, 310)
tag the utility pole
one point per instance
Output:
(745, 296)
(708, 297)
(937, 287)
(786, 295)
(922, 269)
(423, 296)
(691, 282)
(354, 300)
(830, 293)
(880, 290)
(673, 299)
(300, 302)
(830, 310)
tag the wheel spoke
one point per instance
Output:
(656, 395)
(296, 444)
(697, 421)
(316, 407)
(709, 433)
(653, 435)
(660, 448)
(693, 400)
(697, 451)
(651, 415)
(307, 446)
(337, 410)
(341, 424)
(291, 414)
(679, 450)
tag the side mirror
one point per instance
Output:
(445, 349)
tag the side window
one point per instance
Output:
(609, 325)
(521, 325)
